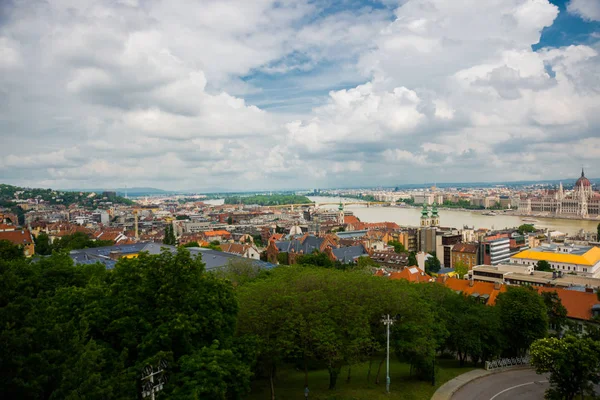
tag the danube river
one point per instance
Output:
(454, 218)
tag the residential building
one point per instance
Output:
(467, 253)
(242, 250)
(21, 238)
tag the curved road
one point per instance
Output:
(521, 384)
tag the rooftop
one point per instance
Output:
(580, 255)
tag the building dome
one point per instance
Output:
(583, 181)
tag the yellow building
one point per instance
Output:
(582, 260)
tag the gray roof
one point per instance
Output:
(311, 243)
(211, 258)
(351, 234)
(349, 254)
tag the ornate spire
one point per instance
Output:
(582, 173)
(424, 212)
(434, 210)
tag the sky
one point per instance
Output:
(279, 94)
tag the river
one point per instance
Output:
(455, 218)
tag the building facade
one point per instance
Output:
(582, 201)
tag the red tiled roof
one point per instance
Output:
(351, 219)
(18, 237)
(5, 227)
(217, 233)
(465, 248)
(578, 304)
(463, 285)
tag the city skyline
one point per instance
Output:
(273, 95)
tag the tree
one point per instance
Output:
(169, 235)
(543, 265)
(10, 251)
(43, 246)
(573, 364)
(526, 228)
(317, 259)
(523, 316)
(191, 244)
(85, 332)
(598, 233)
(78, 240)
(364, 262)
(412, 259)
(398, 247)
(461, 268)
(432, 264)
(557, 313)
(230, 220)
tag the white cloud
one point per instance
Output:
(586, 9)
(110, 93)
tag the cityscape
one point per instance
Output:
(221, 199)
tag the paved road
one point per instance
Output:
(523, 384)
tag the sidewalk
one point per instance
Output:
(447, 390)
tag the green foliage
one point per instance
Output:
(526, 228)
(182, 217)
(85, 332)
(330, 318)
(258, 240)
(543, 265)
(169, 235)
(318, 259)
(43, 247)
(282, 258)
(10, 251)
(462, 204)
(523, 316)
(78, 240)
(8, 192)
(573, 364)
(474, 329)
(432, 264)
(461, 268)
(265, 200)
(364, 262)
(191, 244)
(213, 246)
(230, 220)
(398, 247)
(557, 313)
(598, 233)
(412, 259)
(240, 271)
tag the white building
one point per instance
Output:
(567, 258)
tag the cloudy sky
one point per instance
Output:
(269, 94)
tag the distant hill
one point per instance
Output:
(133, 192)
(9, 196)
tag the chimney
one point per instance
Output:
(497, 285)
(444, 278)
(471, 282)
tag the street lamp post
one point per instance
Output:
(150, 387)
(387, 321)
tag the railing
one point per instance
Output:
(507, 362)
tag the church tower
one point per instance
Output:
(424, 216)
(341, 214)
(435, 218)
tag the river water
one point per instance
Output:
(454, 218)
(451, 218)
